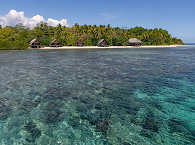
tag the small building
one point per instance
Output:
(55, 43)
(35, 44)
(102, 43)
(80, 43)
(135, 42)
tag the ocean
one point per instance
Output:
(98, 97)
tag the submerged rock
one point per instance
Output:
(130, 106)
(5, 110)
(153, 103)
(74, 122)
(28, 105)
(146, 133)
(51, 112)
(99, 106)
(178, 125)
(103, 126)
(54, 116)
(150, 126)
(126, 143)
(35, 133)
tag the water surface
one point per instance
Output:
(98, 97)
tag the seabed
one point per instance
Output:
(109, 97)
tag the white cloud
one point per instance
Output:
(14, 17)
(53, 22)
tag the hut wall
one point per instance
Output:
(102, 43)
(36, 45)
(135, 44)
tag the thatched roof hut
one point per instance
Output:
(80, 43)
(55, 43)
(35, 44)
(102, 43)
(135, 42)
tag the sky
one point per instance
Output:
(176, 16)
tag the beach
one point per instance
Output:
(109, 47)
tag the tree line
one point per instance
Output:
(18, 37)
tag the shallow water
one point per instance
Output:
(98, 97)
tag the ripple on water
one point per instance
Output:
(108, 97)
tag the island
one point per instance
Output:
(83, 36)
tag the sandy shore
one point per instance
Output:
(110, 47)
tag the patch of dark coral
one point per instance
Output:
(99, 106)
(178, 125)
(150, 88)
(34, 132)
(99, 118)
(146, 133)
(28, 105)
(86, 100)
(5, 110)
(103, 126)
(154, 103)
(151, 123)
(51, 112)
(150, 126)
(74, 122)
(81, 108)
(192, 108)
(54, 116)
(130, 106)
(126, 143)
(191, 136)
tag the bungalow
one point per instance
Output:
(35, 44)
(102, 43)
(80, 43)
(55, 43)
(135, 42)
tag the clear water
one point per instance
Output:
(98, 97)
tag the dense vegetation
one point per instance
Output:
(18, 37)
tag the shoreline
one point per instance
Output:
(110, 47)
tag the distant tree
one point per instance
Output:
(18, 37)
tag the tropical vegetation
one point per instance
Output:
(18, 37)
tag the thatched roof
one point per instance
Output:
(102, 40)
(134, 40)
(54, 41)
(33, 41)
(102, 43)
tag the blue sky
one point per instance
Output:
(177, 16)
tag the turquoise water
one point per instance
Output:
(98, 97)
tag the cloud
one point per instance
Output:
(14, 17)
(53, 22)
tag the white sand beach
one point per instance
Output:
(110, 47)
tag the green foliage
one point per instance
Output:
(18, 37)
